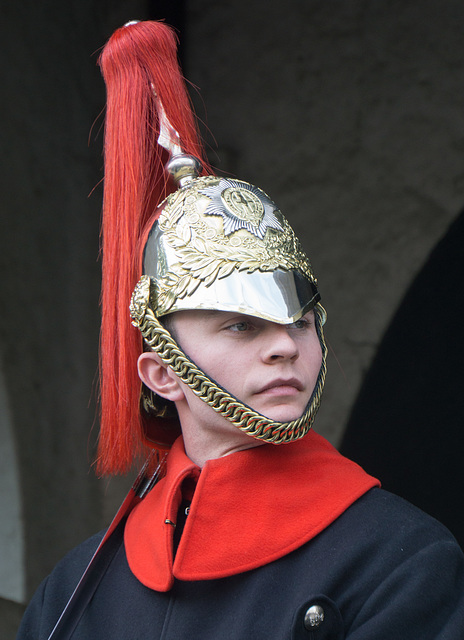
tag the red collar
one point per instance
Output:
(249, 508)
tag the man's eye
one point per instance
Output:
(239, 326)
(301, 324)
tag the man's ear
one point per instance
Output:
(158, 377)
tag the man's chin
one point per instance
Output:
(282, 414)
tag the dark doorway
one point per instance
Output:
(407, 425)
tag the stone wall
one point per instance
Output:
(52, 94)
(349, 114)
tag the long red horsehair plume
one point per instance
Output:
(140, 68)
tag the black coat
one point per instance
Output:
(382, 571)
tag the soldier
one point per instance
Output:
(256, 527)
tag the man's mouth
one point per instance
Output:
(282, 386)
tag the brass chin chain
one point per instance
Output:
(243, 417)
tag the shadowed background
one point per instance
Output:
(351, 116)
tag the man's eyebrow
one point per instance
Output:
(212, 313)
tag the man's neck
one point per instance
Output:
(200, 448)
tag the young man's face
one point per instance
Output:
(270, 367)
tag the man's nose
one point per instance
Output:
(279, 344)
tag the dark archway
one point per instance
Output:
(407, 425)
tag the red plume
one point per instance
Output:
(139, 65)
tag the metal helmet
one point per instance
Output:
(222, 244)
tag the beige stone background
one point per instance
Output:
(350, 114)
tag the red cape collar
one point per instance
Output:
(248, 509)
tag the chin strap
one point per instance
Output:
(240, 415)
(152, 471)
